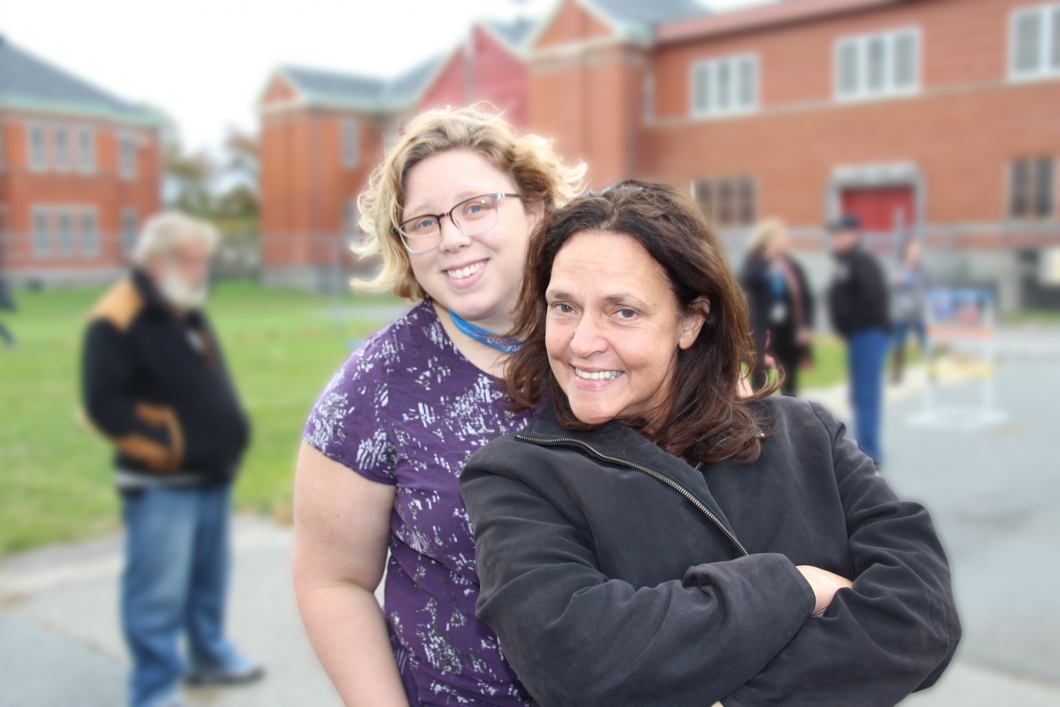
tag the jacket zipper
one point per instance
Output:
(651, 472)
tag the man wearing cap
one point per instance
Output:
(857, 303)
(155, 384)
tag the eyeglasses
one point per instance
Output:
(472, 217)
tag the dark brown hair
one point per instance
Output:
(706, 419)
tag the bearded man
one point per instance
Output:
(155, 384)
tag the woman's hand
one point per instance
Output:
(824, 585)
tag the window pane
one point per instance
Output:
(725, 203)
(702, 192)
(66, 234)
(62, 147)
(724, 69)
(349, 143)
(701, 102)
(86, 150)
(1028, 38)
(747, 87)
(41, 237)
(1043, 183)
(129, 225)
(746, 215)
(36, 146)
(848, 68)
(127, 157)
(905, 60)
(89, 236)
(1054, 39)
(1018, 189)
(876, 58)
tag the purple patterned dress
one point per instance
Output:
(408, 409)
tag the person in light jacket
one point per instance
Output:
(653, 537)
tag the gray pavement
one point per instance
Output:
(994, 495)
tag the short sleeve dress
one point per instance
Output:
(408, 409)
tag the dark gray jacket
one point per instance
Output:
(616, 574)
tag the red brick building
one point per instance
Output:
(322, 133)
(938, 115)
(79, 171)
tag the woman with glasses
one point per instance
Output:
(450, 209)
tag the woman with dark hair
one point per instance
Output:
(653, 537)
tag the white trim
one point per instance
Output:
(712, 65)
(860, 42)
(62, 163)
(1045, 69)
(550, 19)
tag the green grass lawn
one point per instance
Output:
(282, 347)
(55, 475)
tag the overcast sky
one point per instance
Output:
(203, 62)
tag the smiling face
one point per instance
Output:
(479, 277)
(613, 327)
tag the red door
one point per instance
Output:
(880, 209)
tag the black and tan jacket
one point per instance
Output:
(155, 384)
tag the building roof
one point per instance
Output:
(630, 20)
(29, 83)
(514, 33)
(650, 13)
(753, 18)
(365, 93)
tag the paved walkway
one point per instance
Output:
(995, 497)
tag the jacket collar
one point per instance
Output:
(154, 300)
(615, 440)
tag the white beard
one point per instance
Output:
(176, 290)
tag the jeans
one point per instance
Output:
(866, 350)
(901, 333)
(175, 580)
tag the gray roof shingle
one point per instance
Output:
(367, 93)
(31, 83)
(651, 13)
(514, 32)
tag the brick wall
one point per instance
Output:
(72, 192)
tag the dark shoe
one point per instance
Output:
(242, 672)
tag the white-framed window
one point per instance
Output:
(130, 226)
(724, 86)
(38, 146)
(727, 202)
(350, 223)
(86, 149)
(1032, 188)
(61, 147)
(878, 65)
(89, 227)
(42, 237)
(126, 156)
(1034, 42)
(351, 135)
(65, 229)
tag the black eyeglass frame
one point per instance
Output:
(400, 231)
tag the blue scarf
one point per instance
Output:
(485, 336)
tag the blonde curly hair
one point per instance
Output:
(528, 160)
